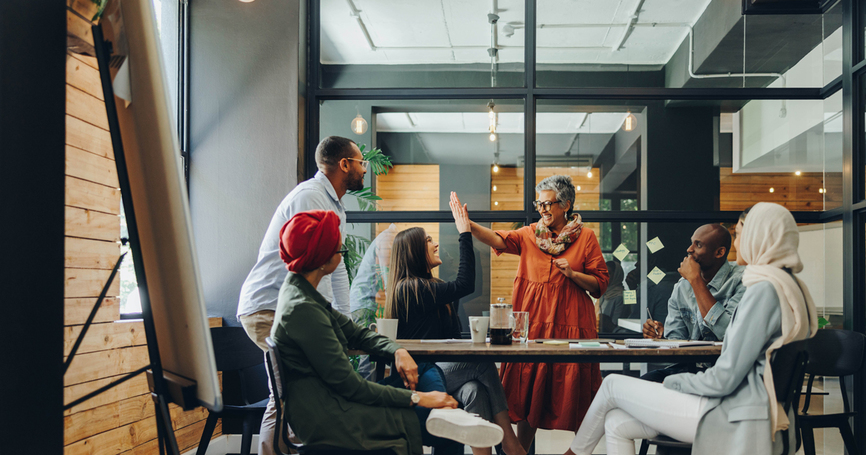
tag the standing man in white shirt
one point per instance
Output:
(341, 168)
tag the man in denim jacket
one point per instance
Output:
(704, 299)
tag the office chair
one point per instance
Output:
(245, 384)
(833, 353)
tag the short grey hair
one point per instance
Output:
(562, 186)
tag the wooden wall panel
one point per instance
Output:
(85, 136)
(89, 283)
(91, 167)
(86, 107)
(803, 192)
(76, 311)
(133, 387)
(105, 336)
(89, 224)
(102, 364)
(81, 75)
(92, 196)
(91, 254)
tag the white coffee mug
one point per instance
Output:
(478, 328)
(387, 327)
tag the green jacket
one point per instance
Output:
(328, 402)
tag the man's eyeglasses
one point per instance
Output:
(544, 204)
(343, 251)
(364, 163)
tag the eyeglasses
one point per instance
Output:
(364, 163)
(343, 251)
(544, 204)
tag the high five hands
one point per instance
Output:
(461, 214)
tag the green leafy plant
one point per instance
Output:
(100, 5)
(822, 322)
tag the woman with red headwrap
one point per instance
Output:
(331, 404)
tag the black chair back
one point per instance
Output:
(789, 370)
(242, 364)
(836, 353)
(277, 377)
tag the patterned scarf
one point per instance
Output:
(569, 233)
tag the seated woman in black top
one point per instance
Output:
(427, 309)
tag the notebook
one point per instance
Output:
(648, 343)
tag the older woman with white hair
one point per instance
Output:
(561, 265)
(730, 408)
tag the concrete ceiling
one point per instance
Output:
(458, 32)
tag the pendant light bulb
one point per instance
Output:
(359, 125)
(495, 168)
(589, 174)
(630, 122)
(492, 137)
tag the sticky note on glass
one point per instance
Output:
(620, 252)
(630, 297)
(656, 275)
(654, 245)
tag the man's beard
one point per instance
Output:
(356, 182)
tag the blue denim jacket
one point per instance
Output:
(684, 321)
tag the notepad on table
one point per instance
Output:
(662, 344)
(588, 345)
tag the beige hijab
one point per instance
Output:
(769, 245)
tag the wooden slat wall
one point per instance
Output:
(121, 419)
(795, 192)
(509, 196)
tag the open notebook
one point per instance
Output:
(648, 343)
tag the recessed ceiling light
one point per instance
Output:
(772, 190)
(797, 172)
(494, 187)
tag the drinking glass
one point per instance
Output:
(521, 326)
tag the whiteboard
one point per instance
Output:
(159, 198)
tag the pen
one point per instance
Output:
(650, 316)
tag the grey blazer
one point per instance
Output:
(736, 419)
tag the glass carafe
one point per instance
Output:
(501, 322)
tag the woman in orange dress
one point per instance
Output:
(561, 265)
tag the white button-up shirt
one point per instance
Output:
(262, 286)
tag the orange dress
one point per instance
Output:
(553, 396)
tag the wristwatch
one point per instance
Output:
(415, 398)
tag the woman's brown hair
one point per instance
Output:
(410, 269)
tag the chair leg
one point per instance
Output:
(848, 438)
(209, 427)
(247, 437)
(644, 447)
(808, 435)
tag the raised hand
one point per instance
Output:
(460, 213)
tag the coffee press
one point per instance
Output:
(501, 322)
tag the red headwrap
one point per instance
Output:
(309, 240)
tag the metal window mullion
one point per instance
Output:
(529, 106)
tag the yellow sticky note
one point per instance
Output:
(620, 252)
(629, 297)
(656, 275)
(654, 245)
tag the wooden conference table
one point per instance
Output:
(533, 352)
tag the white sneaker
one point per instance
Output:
(461, 426)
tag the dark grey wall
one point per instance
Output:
(244, 135)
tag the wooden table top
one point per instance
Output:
(548, 353)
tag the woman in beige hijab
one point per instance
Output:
(731, 408)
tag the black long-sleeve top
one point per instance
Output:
(435, 315)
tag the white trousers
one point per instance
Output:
(626, 409)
